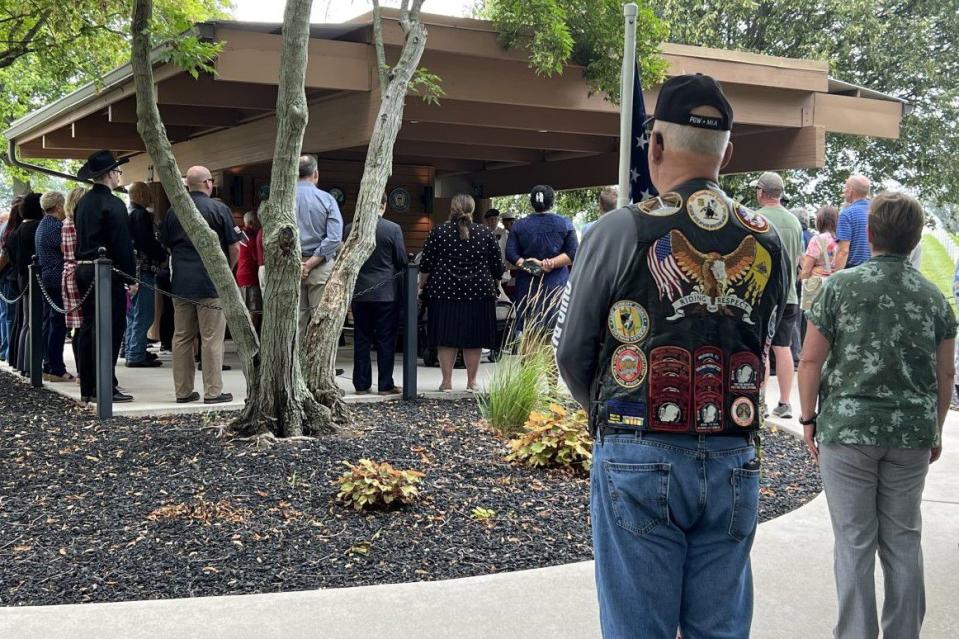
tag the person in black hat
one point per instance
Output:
(102, 221)
(662, 336)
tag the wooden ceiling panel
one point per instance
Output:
(207, 91)
(492, 136)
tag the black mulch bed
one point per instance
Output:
(152, 508)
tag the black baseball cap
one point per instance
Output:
(680, 95)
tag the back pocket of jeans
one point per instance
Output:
(745, 514)
(638, 495)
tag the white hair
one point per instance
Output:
(692, 139)
(248, 217)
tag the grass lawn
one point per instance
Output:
(938, 267)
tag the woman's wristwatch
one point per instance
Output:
(809, 422)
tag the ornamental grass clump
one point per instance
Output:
(369, 485)
(555, 438)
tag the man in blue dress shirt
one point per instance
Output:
(321, 233)
(851, 233)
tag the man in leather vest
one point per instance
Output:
(663, 335)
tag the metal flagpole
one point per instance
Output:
(626, 103)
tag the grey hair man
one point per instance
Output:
(661, 338)
(320, 224)
(852, 233)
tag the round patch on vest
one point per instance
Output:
(708, 209)
(744, 412)
(628, 322)
(662, 205)
(629, 366)
(752, 221)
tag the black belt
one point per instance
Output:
(641, 432)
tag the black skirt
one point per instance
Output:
(462, 324)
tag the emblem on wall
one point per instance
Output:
(698, 283)
(662, 205)
(629, 366)
(708, 209)
(628, 322)
(339, 195)
(399, 199)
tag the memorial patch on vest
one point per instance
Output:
(708, 389)
(744, 373)
(662, 205)
(628, 322)
(752, 221)
(699, 283)
(629, 366)
(743, 412)
(708, 209)
(626, 413)
(670, 383)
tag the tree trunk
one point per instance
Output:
(322, 335)
(282, 404)
(151, 129)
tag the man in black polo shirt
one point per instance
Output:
(102, 221)
(190, 280)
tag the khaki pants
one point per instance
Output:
(188, 320)
(311, 290)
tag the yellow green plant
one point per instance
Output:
(372, 485)
(555, 438)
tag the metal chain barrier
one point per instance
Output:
(14, 300)
(188, 300)
(46, 296)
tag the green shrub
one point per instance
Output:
(554, 438)
(372, 485)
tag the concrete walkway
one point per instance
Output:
(792, 562)
(152, 388)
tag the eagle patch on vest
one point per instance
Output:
(708, 209)
(628, 322)
(698, 283)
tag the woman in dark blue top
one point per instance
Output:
(543, 246)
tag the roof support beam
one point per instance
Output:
(178, 115)
(803, 148)
(492, 136)
(512, 117)
(467, 152)
(205, 91)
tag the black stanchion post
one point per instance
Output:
(104, 334)
(35, 317)
(409, 339)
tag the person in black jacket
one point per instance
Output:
(150, 256)
(102, 222)
(21, 248)
(9, 285)
(374, 311)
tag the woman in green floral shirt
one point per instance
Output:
(878, 357)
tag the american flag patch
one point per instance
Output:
(669, 278)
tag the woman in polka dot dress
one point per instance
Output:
(460, 268)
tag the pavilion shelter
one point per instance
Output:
(499, 129)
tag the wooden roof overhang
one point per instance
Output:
(499, 127)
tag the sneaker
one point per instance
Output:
(784, 411)
(221, 399)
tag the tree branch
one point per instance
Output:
(378, 45)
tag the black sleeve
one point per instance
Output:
(230, 233)
(400, 259)
(494, 257)
(122, 242)
(429, 252)
(606, 255)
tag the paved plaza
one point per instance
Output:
(792, 562)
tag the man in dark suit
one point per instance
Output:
(374, 311)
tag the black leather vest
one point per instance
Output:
(689, 331)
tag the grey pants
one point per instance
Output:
(874, 495)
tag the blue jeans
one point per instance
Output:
(674, 518)
(139, 320)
